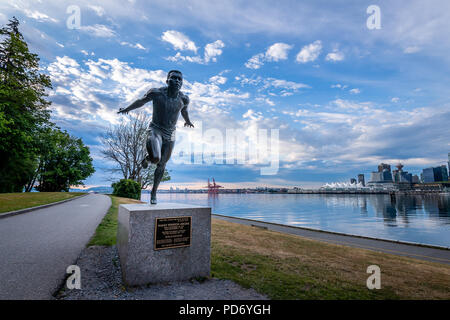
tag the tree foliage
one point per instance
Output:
(127, 188)
(23, 108)
(124, 144)
(63, 161)
(32, 149)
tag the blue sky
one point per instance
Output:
(343, 97)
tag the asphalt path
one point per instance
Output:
(433, 254)
(37, 247)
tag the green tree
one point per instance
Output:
(23, 108)
(127, 188)
(63, 161)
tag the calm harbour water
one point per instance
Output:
(423, 219)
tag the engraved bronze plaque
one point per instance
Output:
(172, 232)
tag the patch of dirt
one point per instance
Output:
(101, 279)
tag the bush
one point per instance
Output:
(127, 188)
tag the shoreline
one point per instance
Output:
(409, 243)
(386, 192)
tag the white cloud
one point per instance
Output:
(94, 91)
(286, 87)
(178, 57)
(39, 16)
(256, 61)
(97, 9)
(413, 49)
(395, 99)
(354, 133)
(355, 91)
(212, 50)
(63, 68)
(136, 46)
(290, 85)
(178, 40)
(309, 52)
(335, 56)
(253, 115)
(98, 30)
(218, 80)
(276, 52)
(340, 86)
(265, 100)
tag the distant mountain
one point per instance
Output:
(105, 190)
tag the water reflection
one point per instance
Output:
(416, 218)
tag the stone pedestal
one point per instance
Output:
(163, 242)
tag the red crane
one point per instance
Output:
(213, 187)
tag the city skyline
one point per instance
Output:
(344, 97)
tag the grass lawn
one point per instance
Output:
(285, 266)
(106, 232)
(17, 201)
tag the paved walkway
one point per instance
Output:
(413, 251)
(36, 247)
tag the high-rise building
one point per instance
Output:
(382, 175)
(387, 175)
(361, 179)
(415, 179)
(383, 166)
(428, 175)
(401, 176)
(435, 174)
(448, 163)
(376, 176)
(440, 173)
(353, 181)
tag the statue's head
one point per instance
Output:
(174, 79)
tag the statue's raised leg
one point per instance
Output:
(166, 152)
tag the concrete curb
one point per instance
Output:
(13, 213)
(338, 233)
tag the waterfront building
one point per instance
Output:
(387, 175)
(376, 176)
(441, 173)
(448, 164)
(401, 176)
(435, 174)
(361, 179)
(342, 186)
(382, 175)
(384, 166)
(428, 175)
(353, 181)
(415, 179)
(381, 178)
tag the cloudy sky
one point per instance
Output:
(342, 90)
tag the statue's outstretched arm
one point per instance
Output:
(138, 103)
(185, 114)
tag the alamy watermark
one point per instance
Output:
(374, 280)
(74, 20)
(74, 280)
(253, 146)
(374, 20)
